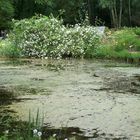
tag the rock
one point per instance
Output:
(100, 30)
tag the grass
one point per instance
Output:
(30, 130)
(7, 49)
(19, 130)
(121, 44)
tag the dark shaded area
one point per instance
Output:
(76, 133)
(123, 84)
(6, 115)
(10, 124)
(71, 12)
(6, 96)
(63, 133)
(16, 62)
(3, 34)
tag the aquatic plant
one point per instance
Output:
(20, 130)
(30, 130)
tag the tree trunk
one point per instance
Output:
(113, 18)
(115, 14)
(91, 11)
(120, 14)
(129, 11)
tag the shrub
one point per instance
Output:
(7, 49)
(104, 51)
(137, 31)
(127, 39)
(124, 43)
(48, 37)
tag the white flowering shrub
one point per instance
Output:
(48, 37)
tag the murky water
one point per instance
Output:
(100, 98)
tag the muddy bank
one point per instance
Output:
(102, 101)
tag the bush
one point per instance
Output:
(7, 49)
(127, 39)
(137, 31)
(48, 37)
(124, 43)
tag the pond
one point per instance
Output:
(93, 99)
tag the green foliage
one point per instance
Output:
(41, 1)
(73, 10)
(7, 49)
(28, 8)
(127, 39)
(72, 13)
(104, 51)
(6, 13)
(122, 44)
(30, 130)
(137, 31)
(19, 130)
(44, 37)
(48, 37)
(106, 3)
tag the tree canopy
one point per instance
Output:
(112, 13)
(6, 13)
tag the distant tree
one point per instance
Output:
(41, 1)
(129, 11)
(6, 13)
(114, 13)
(135, 12)
(91, 13)
(115, 7)
(72, 11)
(27, 8)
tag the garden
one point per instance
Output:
(46, 37)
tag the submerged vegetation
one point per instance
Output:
(33, 129)
(12, 128)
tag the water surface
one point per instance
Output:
(101, 98)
